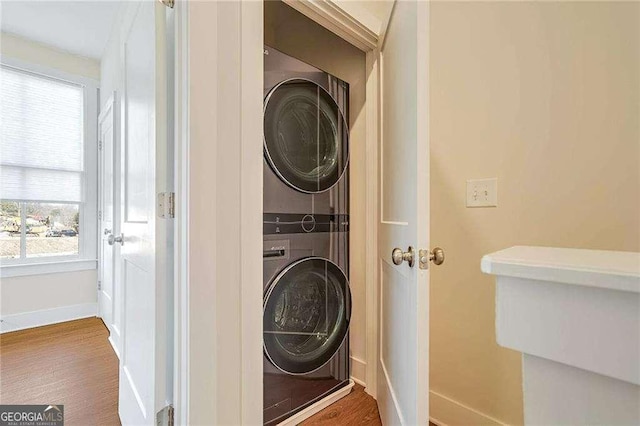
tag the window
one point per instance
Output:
(47, 163)
(50, 230)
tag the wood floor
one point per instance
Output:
(71, 363)
(357, 408)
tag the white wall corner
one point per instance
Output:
(445, 411)
(33, 319)
(358, 371)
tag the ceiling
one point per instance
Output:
(78, 27)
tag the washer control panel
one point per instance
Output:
(275, 249)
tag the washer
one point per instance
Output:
(307, 300)
(306, 315)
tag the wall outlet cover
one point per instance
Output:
(482, 192)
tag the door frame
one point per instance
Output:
(208, 386)
(179, 34)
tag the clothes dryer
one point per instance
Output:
(306, 138)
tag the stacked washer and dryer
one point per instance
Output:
(307, 301)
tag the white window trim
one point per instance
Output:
(88, 242)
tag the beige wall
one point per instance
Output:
(41, 292)
(40, 54)
(298, 36)
(48, 291)
(545, 96)
(110, 71)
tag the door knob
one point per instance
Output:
(113, 239)
(398, 256)
(436, 256)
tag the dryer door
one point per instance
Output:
(305, 136)
(307, 309)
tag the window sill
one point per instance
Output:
(8, 271)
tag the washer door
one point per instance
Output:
(307, 309)
(305, 136)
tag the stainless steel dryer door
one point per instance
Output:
(307, 309)
(306, 138)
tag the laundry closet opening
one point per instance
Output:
(314, 213)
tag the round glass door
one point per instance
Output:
(306, 315)
(305, 136)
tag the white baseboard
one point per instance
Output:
(32, 319)
(358, 371)
(114, 346)
(300, 416)
(358, 382)
(445, 411)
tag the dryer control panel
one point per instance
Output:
(293, 223)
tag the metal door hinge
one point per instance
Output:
(168, 3)
(100, 215)
(166, 205)
(99, 285)
(100, 145)
(165, 416)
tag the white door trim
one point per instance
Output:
(218, 274)
(355, 26)
(251, 221)
(371, 221)
(181, 229)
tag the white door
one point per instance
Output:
(108, 293)
(145, 376)
(403, 353)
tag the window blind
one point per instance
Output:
(41, 137)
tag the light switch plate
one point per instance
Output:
(482, 192)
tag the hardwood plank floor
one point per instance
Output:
(71, 363)
(357, 408)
